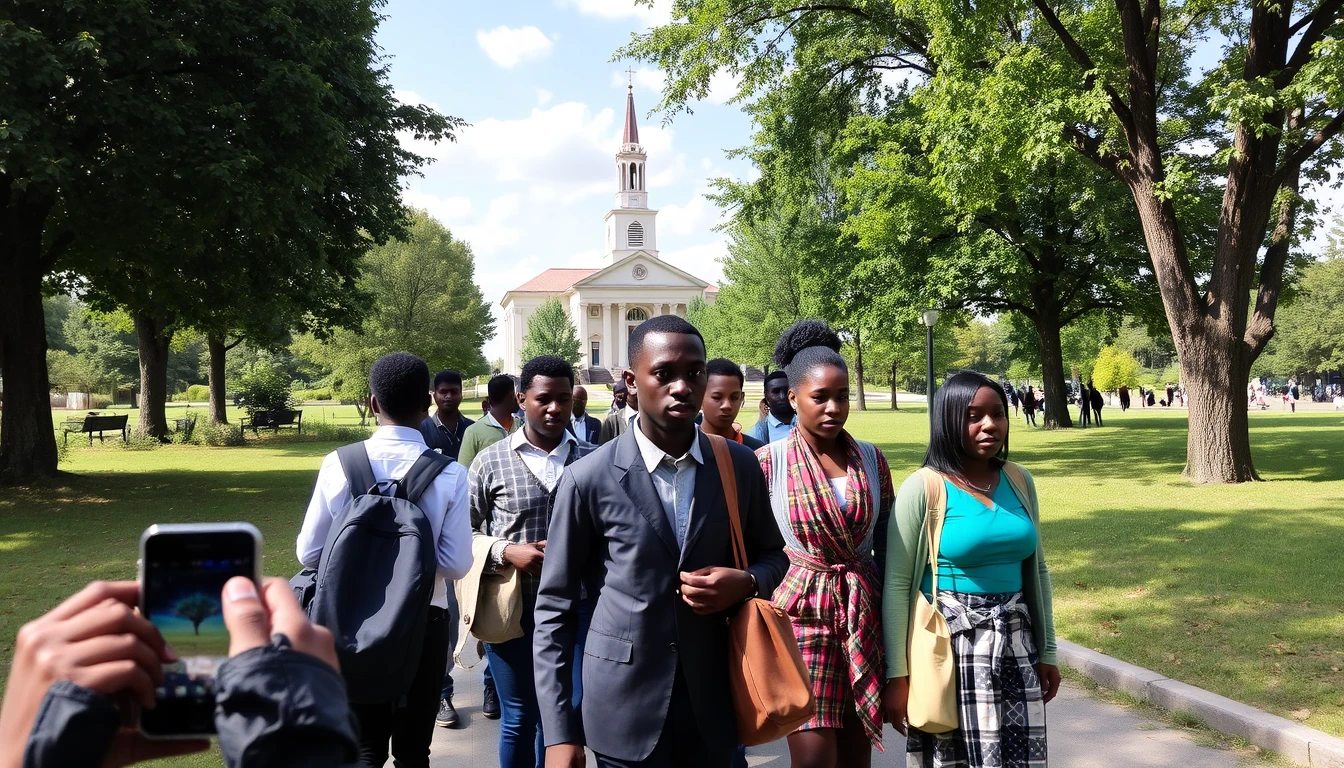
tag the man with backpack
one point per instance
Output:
(387, 524)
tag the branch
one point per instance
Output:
(1300, 154)
(809, 8)
(1031, 257)
(1090, 147)
(1080, 56)
(1322, 19)
(1260, 329)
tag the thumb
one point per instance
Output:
(245, 616)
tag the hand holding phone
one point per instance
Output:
(254, 619)
(183, 570)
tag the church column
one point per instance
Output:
(665, 309)
(585, 349)
(622, 335)
(681, 310)
(612, 360)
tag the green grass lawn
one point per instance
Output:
(1236, 589)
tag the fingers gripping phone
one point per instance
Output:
(183, 569)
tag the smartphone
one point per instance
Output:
(183, 569)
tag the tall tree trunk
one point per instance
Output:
(153, 337)
(1214, 373)
(858, 369)
(218, 406)
(27, 439)
(1052, 371)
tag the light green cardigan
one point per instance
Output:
(908, 556)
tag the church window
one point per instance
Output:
(636, 315)
(634, 235)
(634, 176)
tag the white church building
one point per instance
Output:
(632, 285)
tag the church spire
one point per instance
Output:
(631, 128)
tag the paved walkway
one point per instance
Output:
(1084, 733)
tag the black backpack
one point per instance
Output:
(376, 576)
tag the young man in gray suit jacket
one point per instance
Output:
(642, 523)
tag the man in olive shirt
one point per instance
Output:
(497, 423)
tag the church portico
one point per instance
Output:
(633, 284)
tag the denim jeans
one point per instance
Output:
(521, 743)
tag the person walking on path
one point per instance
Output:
(1029, 405)
(512, 487)
(780, 418)
(497, 423)
(1096, 401)
(723, 401)
(831, 496)
(399, 383)
(1171, 395)
(993, 588)
(643, 523)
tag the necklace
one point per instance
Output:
(973, 486)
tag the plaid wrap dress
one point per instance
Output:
(832, 590)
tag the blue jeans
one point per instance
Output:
(521, 744)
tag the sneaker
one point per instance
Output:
(447, 714)
(490, 706)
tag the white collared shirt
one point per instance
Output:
(546, 467)
(673, 478)
(392, 451)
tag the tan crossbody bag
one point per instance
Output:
(772, 691)
(932, 707)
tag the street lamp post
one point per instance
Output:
(930, 319)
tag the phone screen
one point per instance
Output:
(184, 574)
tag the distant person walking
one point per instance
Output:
(1171, 394)
(1084, 406)
(1124, 398)
(1096, 400)
(992, 586)
(1029, 405)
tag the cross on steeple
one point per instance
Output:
(630, 73)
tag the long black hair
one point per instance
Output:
(948, 422)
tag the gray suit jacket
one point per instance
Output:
(608, 532)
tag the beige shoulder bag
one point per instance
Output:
(933, 669)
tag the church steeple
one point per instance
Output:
(630, 224)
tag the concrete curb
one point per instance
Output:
(1295, 741)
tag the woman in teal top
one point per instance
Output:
(993, 589)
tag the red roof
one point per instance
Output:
(554, 280)
(712, 288)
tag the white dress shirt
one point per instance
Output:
(546, 467)
(392, 451)
(673, 479)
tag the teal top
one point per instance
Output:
(982, 548)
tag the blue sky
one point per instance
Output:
(528, 183)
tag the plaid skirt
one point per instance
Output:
(998, 692)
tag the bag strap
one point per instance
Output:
(1018, 480)
(935, 506)
(358, 471)
(724, 459)
(423, 473)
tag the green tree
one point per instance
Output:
(196, 608)
(550, 331)
(73, 373)
(138, 140)
(1114, 369)
(1116, 84)
(424, 300)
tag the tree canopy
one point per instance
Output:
(551, 332)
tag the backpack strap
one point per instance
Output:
(423, 473)
(358, 472)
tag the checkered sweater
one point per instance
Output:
(509, 502)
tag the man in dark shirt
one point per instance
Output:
(443, 431)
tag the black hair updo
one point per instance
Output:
(808, 344)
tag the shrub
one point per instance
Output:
(217, 435)
(196, 393)
(310, 395)
(98, 402)
(263, 388)
(139, 441)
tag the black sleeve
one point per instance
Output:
(280, 708)
(74, 728)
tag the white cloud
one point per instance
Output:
(705, 260)
(543, 97)
(723, 87)
(695, 218)
(614, 10)
(509, 47)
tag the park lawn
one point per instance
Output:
(1235, 589)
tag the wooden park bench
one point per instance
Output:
(274, 420)
(95, 423)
